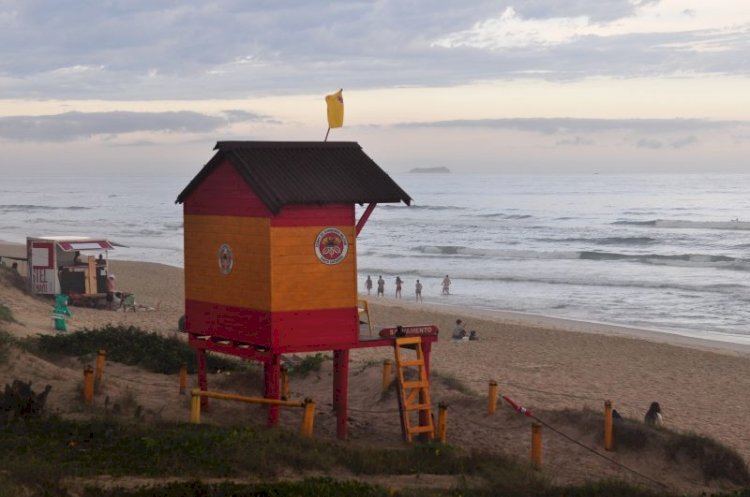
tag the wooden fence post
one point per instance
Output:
(386, 374)
(442, 422)
(536, 445)
(100, 360)
(608, 439)
(308, 418)
(492, 398)
(88, 384)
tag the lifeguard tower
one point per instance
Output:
(270, 255)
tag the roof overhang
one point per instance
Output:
(70, 246)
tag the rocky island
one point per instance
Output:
(433, 170)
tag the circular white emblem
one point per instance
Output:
(226, 259)
(331, 246)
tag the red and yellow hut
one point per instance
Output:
(270, 253)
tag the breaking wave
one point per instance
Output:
(505, 216)
(423, 207)
(677, 224)
(611, 240)
(681, 260)
(36, 208)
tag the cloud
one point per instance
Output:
(234, 116)
(683, 142)
(596, 10)
(232, 48)
(76, 125)
(649, 143)
(563, 125)
(578, 140)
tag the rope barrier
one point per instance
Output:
(637, 408)
(594, 451)
(528, 413)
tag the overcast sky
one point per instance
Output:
(148, 86)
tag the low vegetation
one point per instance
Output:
(132, 346)
(41, 454)
(452, 382)
(10, 277)
(716, 461)
(310, 364)
(319, 487)
(20, 402)
(6, 340)
(6, 314)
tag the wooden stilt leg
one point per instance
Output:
(271, 375)
(202, 379)
(426, 349)
(340, 390)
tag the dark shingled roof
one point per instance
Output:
(284, 173)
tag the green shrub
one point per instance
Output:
(452, 382)
(715, 460)
(6, 314)
(610, 488)
(6, 340)
(19, 401)
(11, 277)
(310, 364)
(133, 346)
(319, 487)
(629, 434)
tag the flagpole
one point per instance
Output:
(326, 138)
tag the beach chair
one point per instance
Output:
(128, 302)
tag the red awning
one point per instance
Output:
(85, 245)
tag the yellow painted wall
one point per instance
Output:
(248, 285)
(275, 268)
(300, 281)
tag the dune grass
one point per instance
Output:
(6, 314)
(132, 346)
(42, 453)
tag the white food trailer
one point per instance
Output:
(54, 268)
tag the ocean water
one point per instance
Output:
(664, 252)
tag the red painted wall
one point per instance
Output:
(225, 193)
(314, 215)
(286, 331)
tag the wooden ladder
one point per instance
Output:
(413, 395)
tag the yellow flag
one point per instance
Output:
(335, 109)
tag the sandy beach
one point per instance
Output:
(543, 363)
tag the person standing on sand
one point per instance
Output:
(446, 285)
(381, 286)
(418, 289)
(111, 291)
(399, 281)
(368, 284)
